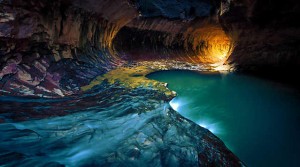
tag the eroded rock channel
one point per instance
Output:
(73, 85)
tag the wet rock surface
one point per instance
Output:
(109, 125)
(50, 49)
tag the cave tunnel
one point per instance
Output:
(149, 83)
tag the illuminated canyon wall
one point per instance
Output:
(46, 46)
(197, 41)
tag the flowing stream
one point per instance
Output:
(106, 126)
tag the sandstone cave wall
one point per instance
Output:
(51, 48)
(200, 40)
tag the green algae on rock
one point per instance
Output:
(132, 78)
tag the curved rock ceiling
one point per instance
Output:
(196, 41)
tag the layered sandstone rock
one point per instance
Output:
(197, 41)
(47, 45)
(39, 35)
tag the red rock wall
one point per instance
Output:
(42, 42)
(65, 21)
(38, 36)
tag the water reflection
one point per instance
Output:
(181, 105)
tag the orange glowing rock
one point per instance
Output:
(212, 44)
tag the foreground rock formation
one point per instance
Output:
(112, 126)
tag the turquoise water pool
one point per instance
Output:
(258, 120)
